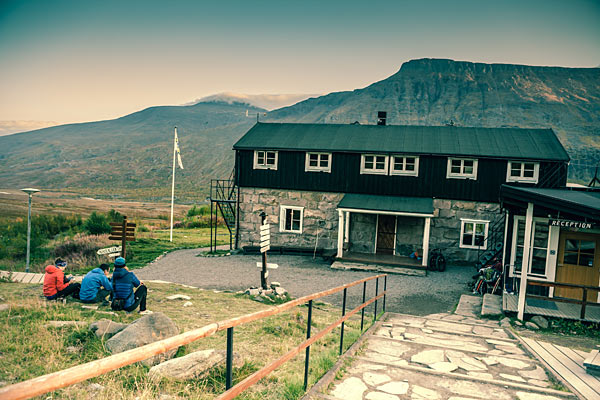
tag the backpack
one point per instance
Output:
(117, 304)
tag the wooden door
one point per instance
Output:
(386, 234)
(578, 263)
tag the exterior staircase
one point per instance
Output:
(224, 201)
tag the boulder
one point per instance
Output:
(148, 329)
(4, 307)
(179, 297)
(531, 325)
(193, 365)
(279, 291)
(106, 328)
(540, 321)
(62, 324)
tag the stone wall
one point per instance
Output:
(320, 215)
(445, 225)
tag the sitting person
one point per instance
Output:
(123, 283)
(96, 286)
(55, 283)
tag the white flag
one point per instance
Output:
(177, 150)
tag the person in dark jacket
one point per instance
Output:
(96, 286)
(55, 283)
(123, 283)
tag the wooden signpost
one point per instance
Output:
(123, 231)
(265, 245)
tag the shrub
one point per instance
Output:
(97, 224)
(202, 210)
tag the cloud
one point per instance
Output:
(266, 101)
(10, 127)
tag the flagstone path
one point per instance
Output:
(442, 356)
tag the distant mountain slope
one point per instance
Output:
(435, 91)
(131, 155)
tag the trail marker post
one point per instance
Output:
(265, 245)
(123, 231)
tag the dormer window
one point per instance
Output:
(265, 159)
(318, 162)
(462, 168)
(374, 164)
(518, 171)
(405, 165)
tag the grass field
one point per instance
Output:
(29, 348)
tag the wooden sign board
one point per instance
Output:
(265, 248)
(128, 238)
(269, 265)
(120, 224)
(109, 250)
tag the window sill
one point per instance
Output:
(461, 177)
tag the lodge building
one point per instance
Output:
(383, 192)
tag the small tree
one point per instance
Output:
(96, 224)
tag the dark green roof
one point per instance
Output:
(417, 205)
(580, 202)
(508, 143)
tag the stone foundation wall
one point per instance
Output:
(320, 215)
(446, 221)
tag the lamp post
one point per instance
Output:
(30, 192)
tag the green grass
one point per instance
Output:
(29, 348)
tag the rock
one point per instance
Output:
(539, 383)
(147, 329)
(179, 297)
(252, 292)
(393, 388)
(62, 324)
(96, 387)
(531, 325)
(73, 349)
(106, 328)
(512, 377)
(89, 307)
(374, 379)
(428, 357)
(380, 396)
(538, 373)
(4, 307)
(518, 322)
(421, 393)
(505, 321)
(540, 321)
(484, 375)
(443, 366)
(188, 304)
(193, 365)
(512, 363)
(350, 389)
(267, 292)
(275, 284)
(279, 291)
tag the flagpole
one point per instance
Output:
(173, 183)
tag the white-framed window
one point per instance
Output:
(462, 168)
(521, 171)
(318, 162)
(539, 246)
(405, 165)
(473, 234)
(374, 164)
(265, 159)
(290, 219)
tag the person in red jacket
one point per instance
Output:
(55, 283)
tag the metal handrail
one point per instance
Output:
(60, 379)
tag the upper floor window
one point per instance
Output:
(290, 219)
(265, 159)
(318, 162)
(462, 168)
(374, 164)
(473, 234)
(518, 171)
(405, 165)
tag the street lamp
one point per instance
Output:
(30, 192)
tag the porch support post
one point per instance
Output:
(526, 260)
(347, 233)
(340, 249)
(426, 241)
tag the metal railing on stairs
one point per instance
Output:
(494, 241)
(224, 198)
(60, 379)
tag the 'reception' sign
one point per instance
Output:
(567, 223)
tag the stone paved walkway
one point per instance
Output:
(442, 356)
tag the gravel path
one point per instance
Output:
(438, 292)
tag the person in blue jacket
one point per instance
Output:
(123, 283)
(95, 286)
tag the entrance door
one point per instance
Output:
(386, 234)
(578, 263)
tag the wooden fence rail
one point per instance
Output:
(584, 302)
(60, 379)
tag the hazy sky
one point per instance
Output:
(72, 61)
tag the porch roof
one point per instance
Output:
(585, 203)
(422, 206)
